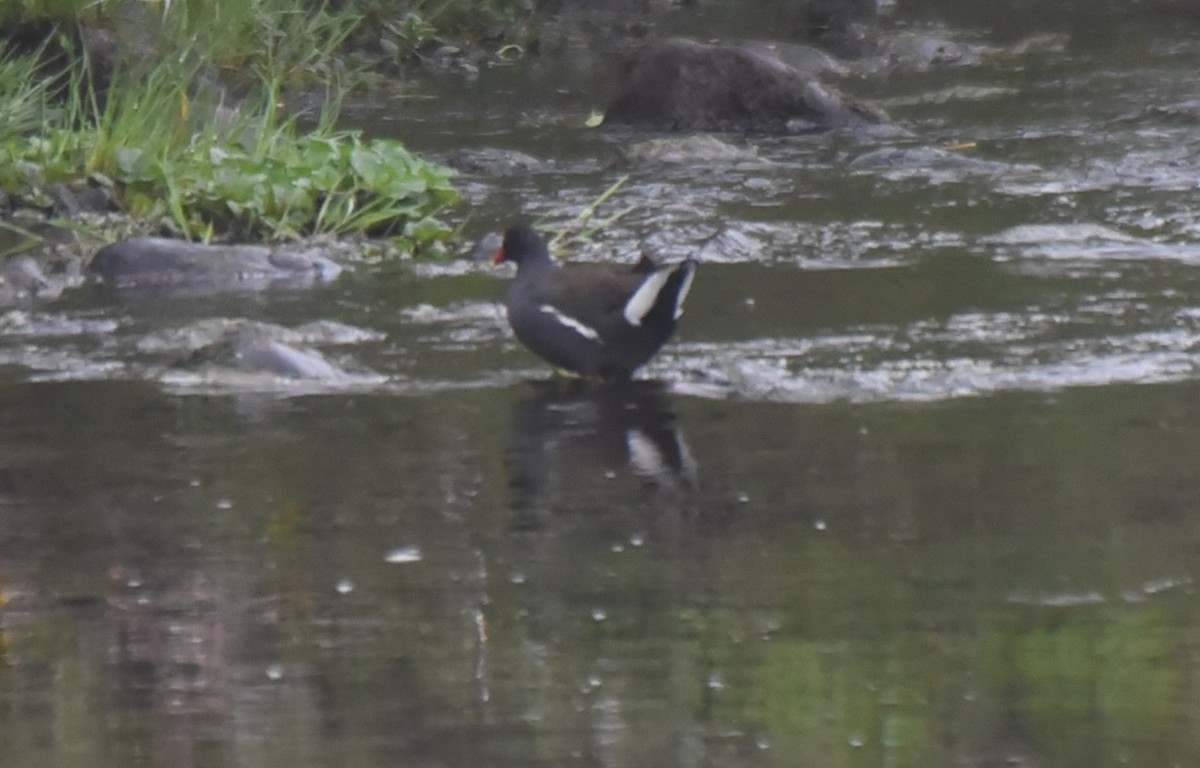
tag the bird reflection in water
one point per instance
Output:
(576, 445)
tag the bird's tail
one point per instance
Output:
(660, 297)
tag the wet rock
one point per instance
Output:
(1081, 244)
(683, 85)
(52, 325)
(1039, 44)
(921, 52)
(493, 161)
(71, 200)
(729, 245)
(690, 149)
(1178, 113)
(954, 93)
(186, 340)
(1074, 233)
(256, 351)
(809, 61)
(250, 347)
(23, 274)
(195, 267)
(445, 58)
(8, 295)
(933, 163)
(22, 278)
(333, 332)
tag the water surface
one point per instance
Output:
(915, 484)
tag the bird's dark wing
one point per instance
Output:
(591, 295)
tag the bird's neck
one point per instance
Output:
(535, 264)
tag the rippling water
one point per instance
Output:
(914, 485)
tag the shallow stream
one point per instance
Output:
(915, 484)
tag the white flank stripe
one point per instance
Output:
(642, 300)
(687, 286)
(570, 322)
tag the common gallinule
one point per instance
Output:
(589, 320)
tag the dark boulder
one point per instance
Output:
(683, 85)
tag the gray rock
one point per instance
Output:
(932, 163)
(24, 274)
(257, 351)
(214, 348)
(245, 344)
(70, 200)
(22, 278)
(195, 267)
(729, 245)
(702, 148)
(493, 161)
(911, 51)
(805, 59)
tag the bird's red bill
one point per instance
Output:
(499, 257)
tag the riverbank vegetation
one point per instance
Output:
(174, 113)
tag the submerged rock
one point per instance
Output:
(24, 274)
(729, 245)
(257, 351)
(703, 148)
(493, 161)
(189, 339)
(933, 163)
(912, 51)
(195, 267)
(22, 279)
(250, 347)
(683, 85)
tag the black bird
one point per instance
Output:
(588, 320)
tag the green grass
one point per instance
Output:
(174, 155)
(26, 11)
(275, 39)
(23, 94)
(176, 152)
